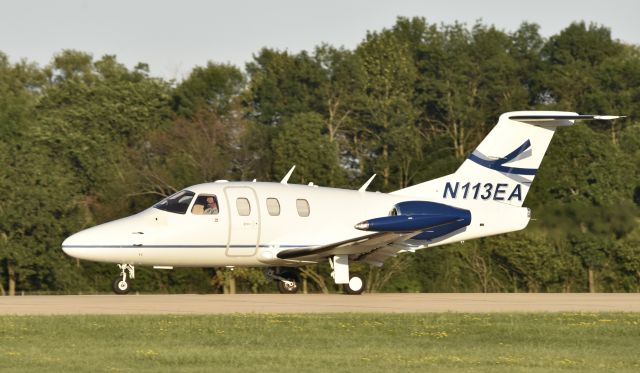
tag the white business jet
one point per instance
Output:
(281, 227)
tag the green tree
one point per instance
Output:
(282, 85)
(586, 197)
(91, 114)
(214, 86)
(38, 205)
(300, 141)
(585, 70)
(386, 114)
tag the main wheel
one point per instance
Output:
(355, 286)
(121, 287)
(291, 287)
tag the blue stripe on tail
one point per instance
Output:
(498, 164)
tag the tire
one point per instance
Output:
(121, 287)
(355, 286)
(286, 289)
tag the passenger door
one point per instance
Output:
(244, 221)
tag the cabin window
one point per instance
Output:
(205, 204)
(177, 203)
(243, 206)
(273, 206)
(303, 207)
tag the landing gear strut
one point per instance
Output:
(288, 280)
(352, 284)
(120, 284)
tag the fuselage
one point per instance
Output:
(255, 221)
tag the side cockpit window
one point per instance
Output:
(177, 203)
(206, 204)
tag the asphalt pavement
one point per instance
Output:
(316, 303)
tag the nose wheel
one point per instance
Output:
(289, 284)
(120, 285)
(288, 280)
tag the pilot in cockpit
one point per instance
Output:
(212, 206)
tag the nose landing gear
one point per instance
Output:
(288, 280)
(120, 285)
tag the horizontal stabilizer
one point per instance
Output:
(549, 118)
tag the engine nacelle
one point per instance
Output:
(433, 219)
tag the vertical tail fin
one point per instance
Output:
(502, 168)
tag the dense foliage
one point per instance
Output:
(84, 141)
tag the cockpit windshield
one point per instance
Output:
(177, 203)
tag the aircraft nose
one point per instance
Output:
(90, 242)
(108, 242)
(72, 246)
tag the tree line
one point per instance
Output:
(87, 140)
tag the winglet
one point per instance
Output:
(366, 185)
(286, 177)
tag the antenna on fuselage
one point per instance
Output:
(366, 185)
(286, 177)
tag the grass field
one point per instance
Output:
(540, 342)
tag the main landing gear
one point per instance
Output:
(120, 285)
(355, 286)
(288, 279)
(352, 284)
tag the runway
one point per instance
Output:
(315, 303)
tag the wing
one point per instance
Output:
(373, 248)
(423, 220)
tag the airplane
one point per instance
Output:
(282, 227)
